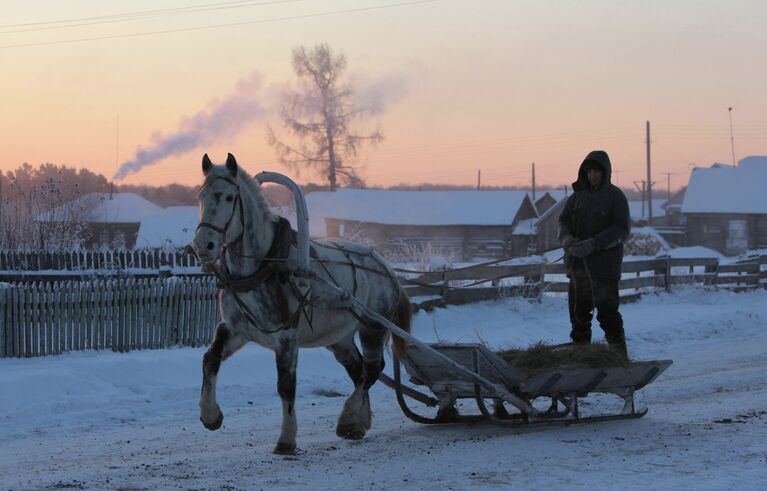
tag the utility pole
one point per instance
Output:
(732, 138)
(533, 182)
(617, 177)
(649, 178)
(641, 190)
(117, 142)
(479, 179)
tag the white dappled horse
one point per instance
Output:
(261, 300)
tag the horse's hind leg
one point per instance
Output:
(225, 343)
(349, 356)
(356, 417)
(287, 358)
(350, 423)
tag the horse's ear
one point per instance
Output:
(206, 164)
(231, 164)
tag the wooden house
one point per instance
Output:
(106, 220)
(459, 224)
(725, 207)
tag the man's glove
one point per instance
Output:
(582, 248)
(567, 243)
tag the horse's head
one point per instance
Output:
(221, 209)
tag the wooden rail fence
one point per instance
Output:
(494, 280)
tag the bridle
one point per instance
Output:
(222, 230)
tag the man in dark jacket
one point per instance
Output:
(592, 228)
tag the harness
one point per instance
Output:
(274, 268)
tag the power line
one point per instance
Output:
(216, 26)
(128, 17)
(203, 7)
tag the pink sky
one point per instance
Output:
(472, 85)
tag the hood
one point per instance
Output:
(599, 157)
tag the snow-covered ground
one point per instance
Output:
(130, 421)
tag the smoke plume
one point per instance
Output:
(222, 118)
(376, 95)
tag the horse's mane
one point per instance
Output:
(255, 188)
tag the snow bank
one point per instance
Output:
(108, 421)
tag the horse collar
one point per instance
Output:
(271, 263)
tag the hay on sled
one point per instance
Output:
(540, 357)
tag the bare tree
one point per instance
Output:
(319, 113)
(42, 217)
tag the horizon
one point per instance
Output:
(466, 86)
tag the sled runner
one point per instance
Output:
(561, 385)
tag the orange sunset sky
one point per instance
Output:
(467, 85)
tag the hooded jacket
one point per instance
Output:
(601, 214)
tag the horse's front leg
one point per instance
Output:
(286, 356)
(225, 343)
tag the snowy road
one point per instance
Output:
(109, 421)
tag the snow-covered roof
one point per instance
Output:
(635, 209)
(525, 227)
(394, 207)
(103, 207)
(695, 252)
(171, 227)
(726, 189)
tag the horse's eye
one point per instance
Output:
(229, 198)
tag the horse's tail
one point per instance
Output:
(403, 318)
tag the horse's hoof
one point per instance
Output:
(350, 432)
(215, 424)
(285, 449)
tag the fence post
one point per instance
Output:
(667, 274)
(445, 286)
(712, 269)
(4, 310)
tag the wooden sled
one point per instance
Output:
(491, 378)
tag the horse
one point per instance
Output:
(261, 300)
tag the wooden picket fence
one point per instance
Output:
(151, 259)
(48, 318)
